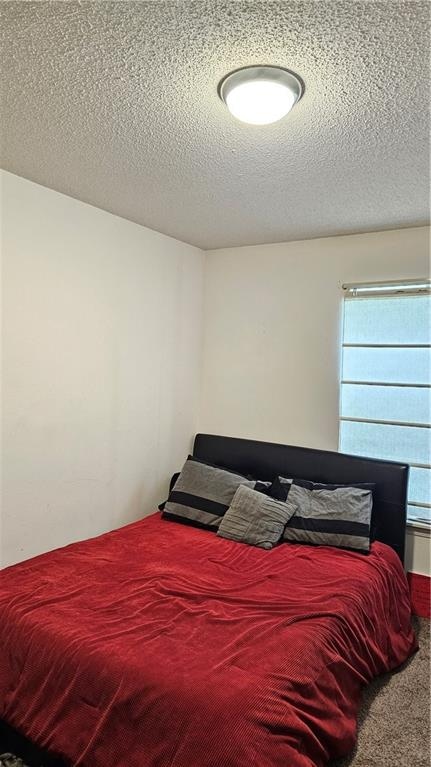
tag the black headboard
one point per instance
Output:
(265, 460)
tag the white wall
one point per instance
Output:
(272, 335)
(101, 351)
(101, 355)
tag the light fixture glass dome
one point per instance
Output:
(260, 94)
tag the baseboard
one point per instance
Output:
(420, 592)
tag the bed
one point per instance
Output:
(162, 645)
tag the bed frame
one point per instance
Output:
(265, 460)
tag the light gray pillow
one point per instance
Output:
(255, 518)
(329, 515)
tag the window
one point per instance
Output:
(385, 405)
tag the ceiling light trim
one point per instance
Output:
(261, 73)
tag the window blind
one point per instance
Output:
(385, 398)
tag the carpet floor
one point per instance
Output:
(394, 720)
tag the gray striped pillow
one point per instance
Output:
(202, 494)
(255, 518)
(328, 515)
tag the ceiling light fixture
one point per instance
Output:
(260, 94)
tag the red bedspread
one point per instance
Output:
(159, 645)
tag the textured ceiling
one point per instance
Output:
(115, 103)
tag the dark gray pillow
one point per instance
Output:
(202, 494)
(329, 515)
(255, 518)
